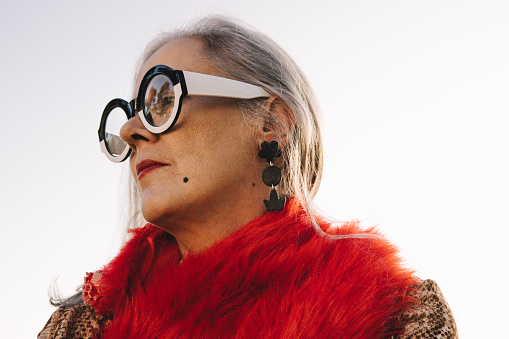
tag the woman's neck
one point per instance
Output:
(200, 229)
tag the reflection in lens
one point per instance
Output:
(159, 100)
(116, 119)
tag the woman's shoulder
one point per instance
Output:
(430, 316)
(78, 321)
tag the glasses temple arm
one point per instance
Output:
(210, 85)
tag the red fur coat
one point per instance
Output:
(274, 278)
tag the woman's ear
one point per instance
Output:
(277, 122)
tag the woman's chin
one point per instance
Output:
(155, 210)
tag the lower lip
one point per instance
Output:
(148, 170)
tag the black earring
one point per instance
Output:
(272, 175)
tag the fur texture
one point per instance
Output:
(274, 278)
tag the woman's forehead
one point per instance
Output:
(186, 54)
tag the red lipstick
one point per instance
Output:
(146, 166)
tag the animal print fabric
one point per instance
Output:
(430, 318)
(77, 322)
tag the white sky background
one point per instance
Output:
(415, 107)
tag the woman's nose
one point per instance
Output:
(133, 132)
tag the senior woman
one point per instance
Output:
(224, 147)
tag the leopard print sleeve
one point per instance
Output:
(431, 317)
(77, 322)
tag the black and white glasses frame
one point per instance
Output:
(183, 83)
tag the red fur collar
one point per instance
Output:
(274, 278)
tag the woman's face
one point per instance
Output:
(206, 162)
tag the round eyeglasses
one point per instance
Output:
(159, 101)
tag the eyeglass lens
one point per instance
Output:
(159, 100)
(116, 119)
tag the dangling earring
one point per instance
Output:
(271, 175)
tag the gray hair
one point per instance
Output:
(242, 53)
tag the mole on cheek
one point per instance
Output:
(253, 184)
(186, 179)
